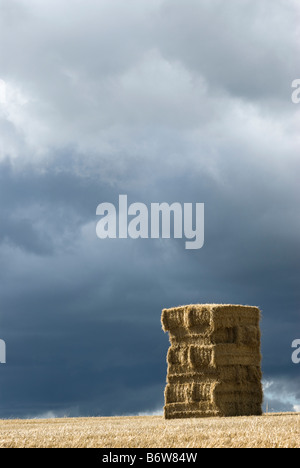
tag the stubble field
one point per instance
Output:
(268, 431)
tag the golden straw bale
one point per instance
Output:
(214, 361)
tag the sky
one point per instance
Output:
(165, 101)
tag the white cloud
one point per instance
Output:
(158, 412)
(281, 393)
(51, 414)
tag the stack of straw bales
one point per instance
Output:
(214, 362)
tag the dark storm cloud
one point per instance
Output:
(88, 316)
(54, 367)
(172, 101)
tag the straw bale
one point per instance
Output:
(214, 361)
(211, 316)
(212, 391)
(238, 374)
(206, 410)
(244, 335)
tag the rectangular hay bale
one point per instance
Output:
(214, 361)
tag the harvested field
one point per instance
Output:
(268, 431)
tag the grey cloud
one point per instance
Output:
(246, 48)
